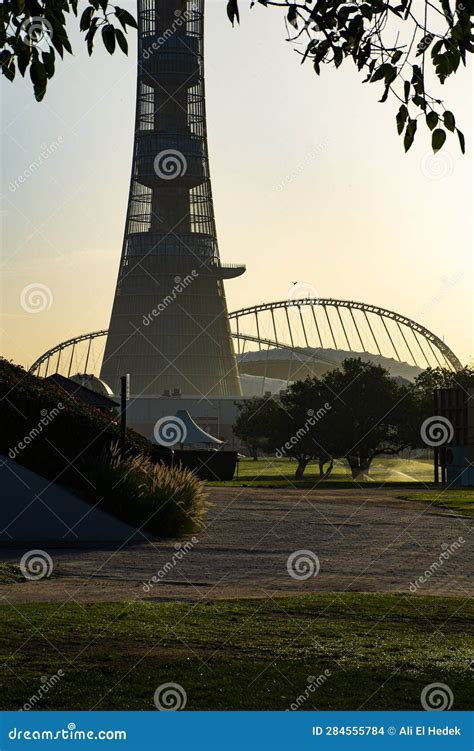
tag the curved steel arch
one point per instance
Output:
(447, 353)
(63, 345)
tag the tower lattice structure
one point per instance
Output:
(169, 326)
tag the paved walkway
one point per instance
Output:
(364, 540)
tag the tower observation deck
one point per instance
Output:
(169, 326)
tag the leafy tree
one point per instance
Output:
(370, 414)
(397, 46)
(32, 31)
(423, 388)
(256, 421)
(302, 433)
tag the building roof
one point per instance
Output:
(81, 393)
(193, 433)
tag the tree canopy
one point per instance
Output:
(405, 47)
(356, 412)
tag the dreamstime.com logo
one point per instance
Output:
(36, 31)
(448, 551)
(170, 164)
(181, 551)
(180, 19)
(180, 284)
(36, 564)
(314, 682)
(36, 298)
(436, 697)
(46, 419)
(303, 564)
(313, 418)
(169, 431)
(303, 291)
(437, 166)
(47, 683)
(36, 164)
(436, 431)
(170, 697)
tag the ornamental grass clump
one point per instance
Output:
(165, 501)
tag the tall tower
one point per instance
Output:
(169, 326)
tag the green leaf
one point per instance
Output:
(108, 37)
(409, 134)
(462, 141)
(48, 60)
(122, 42)
(382, 71)
(233, 11)
(39, 79)
(90, 38)
(8, 64)
(292, 16)
(401, 118)
(437, 139)
(432, 120)
(406, 89)
(449, 121)
(125, 18)
(338, 56)
(86, 18)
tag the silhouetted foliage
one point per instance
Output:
(399, 45)
(396, 45)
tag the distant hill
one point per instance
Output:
(280, 365)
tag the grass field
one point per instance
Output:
(378, 651)
(280, 473)
(460, 500)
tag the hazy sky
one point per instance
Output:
(310, 183)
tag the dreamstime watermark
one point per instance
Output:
(303, 564)
(436, 431)
(34, 166)
(301, 166)
(47, 683)
(170, 697)
(181, 552)
(446, 284)
(36, 564)
(180, 19)
(169, 431)
(170, 164)
(448, 551)
(37, 31)
(437, 166)
(46, 419)
(314, 682)
(180, 284)
(436, 697)
(303, 291)
(36, 298)
(313, 418)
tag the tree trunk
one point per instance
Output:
(325, 474)
(302, 463)
(359, 465)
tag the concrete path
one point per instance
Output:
(364, 540)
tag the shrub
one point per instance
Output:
(74, 449)
(72, 439)
(167, 502)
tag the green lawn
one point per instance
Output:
(460, 500)
(280, 473)
(379, 650)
